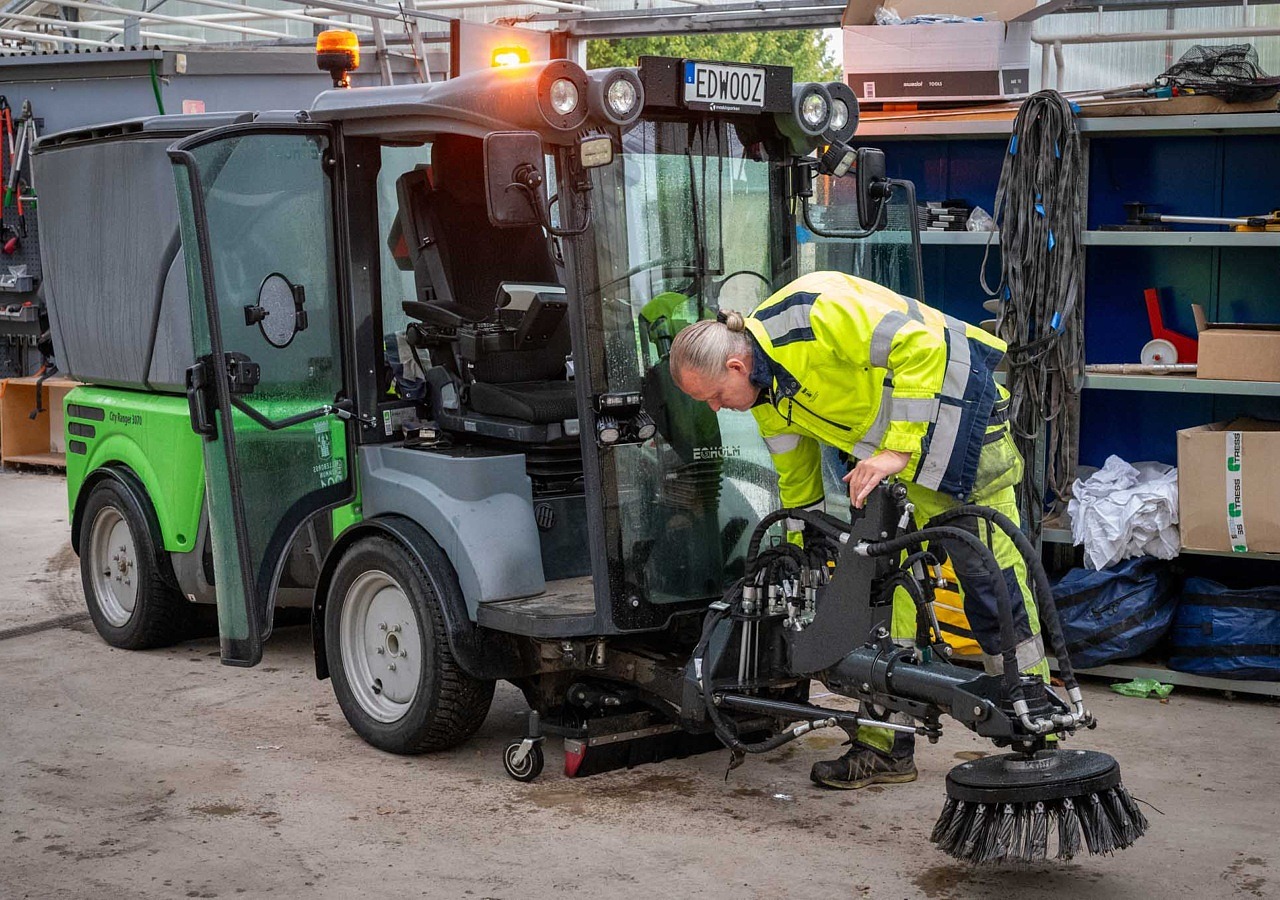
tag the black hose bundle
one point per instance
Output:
(1039, 214)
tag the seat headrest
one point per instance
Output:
(457, 167)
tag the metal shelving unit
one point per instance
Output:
(1146, 126)
(1106, 238)
(1181, 384)
(1057, 531)
(965, 143)
(1132, 669)
(1182, 238)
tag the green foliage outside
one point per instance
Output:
(805, 51)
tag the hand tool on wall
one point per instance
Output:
(1139, 218)
(21, 146)
(1166, 346)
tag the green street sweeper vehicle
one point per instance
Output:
(401, 359)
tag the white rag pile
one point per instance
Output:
(1122, 511)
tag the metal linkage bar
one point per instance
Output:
(460, 4)
(159, 17)
(372, 10)
(708, 18)
(1138, 36)
(95, 26)
(35, 37)
(278, 14)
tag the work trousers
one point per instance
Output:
(999, 471)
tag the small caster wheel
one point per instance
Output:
(523, 760)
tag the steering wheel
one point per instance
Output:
(665, 262)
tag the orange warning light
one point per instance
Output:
(510, 56)
(338, 52)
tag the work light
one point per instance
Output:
(844, 112)
(621, 96)
(814, 110)
(811, 105)
(644, 426)
(615, 96)
(564, 96)
(607, 430)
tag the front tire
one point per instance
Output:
(133, 605)
(393, 672)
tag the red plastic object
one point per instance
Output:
(1188, 348)
(11, 246)
(574, 752)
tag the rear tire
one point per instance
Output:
(132, 603)
(393, 671)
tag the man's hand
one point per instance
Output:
(870, 472)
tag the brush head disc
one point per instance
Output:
(1049, 775)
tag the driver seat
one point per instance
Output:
(509, 364)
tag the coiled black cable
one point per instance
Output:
(1039, 214)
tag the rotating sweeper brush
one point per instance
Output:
(1002, 808)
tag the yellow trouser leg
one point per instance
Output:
(976, 585)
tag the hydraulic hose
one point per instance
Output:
(1004, 604)
(718, 724)
(1043, 592)
(826, 525)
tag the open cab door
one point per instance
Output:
(256, 205)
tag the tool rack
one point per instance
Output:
(1216, 165)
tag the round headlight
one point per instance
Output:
(814, 110)
(839, 114)
(564, 96)
(621, 97)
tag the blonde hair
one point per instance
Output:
(704, 347)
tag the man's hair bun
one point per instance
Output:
(734, 321)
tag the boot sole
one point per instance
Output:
(881, 778)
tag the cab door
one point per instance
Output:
(256, 207)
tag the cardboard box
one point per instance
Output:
(1237, 351)
(964, 61)
(1229, 486)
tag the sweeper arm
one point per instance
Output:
(823, 612)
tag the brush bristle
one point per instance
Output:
(984, 833)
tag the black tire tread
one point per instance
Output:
(162, 609)
(462, 702)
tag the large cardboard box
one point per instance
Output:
(1237, 351)
(1229, 486)
(964, 61)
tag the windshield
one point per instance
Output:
(691, 219)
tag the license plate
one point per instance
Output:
(729, 88)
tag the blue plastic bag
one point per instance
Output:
(1115, 613)
(1226, 633)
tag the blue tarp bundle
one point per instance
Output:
(1226, 633)
(1115, 613)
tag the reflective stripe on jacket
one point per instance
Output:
(863, 369)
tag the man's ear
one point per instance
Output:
(737, 364)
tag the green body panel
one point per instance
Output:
(346, 516)
(151, 435)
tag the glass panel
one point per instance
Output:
(886, 257)
(685, 223)
(239, 637)
(267, 212)
(397, 272)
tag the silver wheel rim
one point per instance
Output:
(114, 559)
(381, 646)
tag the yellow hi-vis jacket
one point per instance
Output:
(861, 368)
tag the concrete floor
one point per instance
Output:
(164, 774)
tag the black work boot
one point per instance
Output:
(862, 767)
